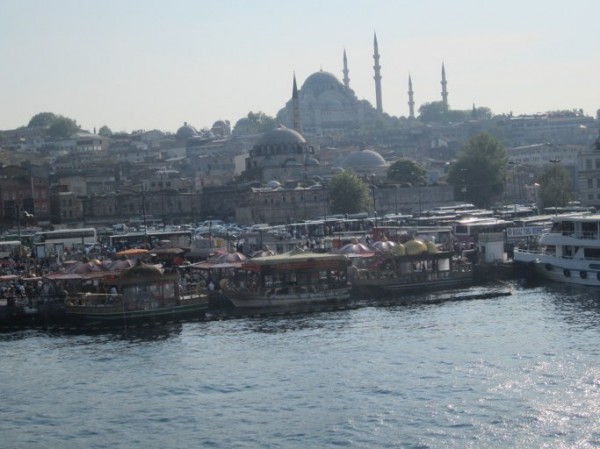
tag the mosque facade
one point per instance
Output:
(325, 105)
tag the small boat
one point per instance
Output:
(293, 279)
(568, 252)
(143, 293)
(414, 266)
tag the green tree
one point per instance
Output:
(433, 112)
(479, 173)
(407, 171)
(556, 187)
(42, 120)
(261, 121)
(348, 194)
(105, 131)
(63, 127)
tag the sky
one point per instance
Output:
(150, 64)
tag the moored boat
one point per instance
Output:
(141, 294)
(293, 279)
(414, 266)
(568, 252)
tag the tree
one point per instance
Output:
(480, 171)
(348, 194)
(556, 187)
(407, 171)
(262, 121)
(63, 127)
(105, 131)
(433, 112)
(42, 120)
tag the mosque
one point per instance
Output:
(326, 106)
(323, 106)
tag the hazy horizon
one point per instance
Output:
(151, 65)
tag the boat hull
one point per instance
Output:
(117, 316)
(558, 269)
(412, 283)
(247, 300)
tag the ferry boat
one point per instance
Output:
(292, 279)
(143, 293)
(568, 252)
(414, 266)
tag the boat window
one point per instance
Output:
(591, 253)
(589, 230)
(568, 227)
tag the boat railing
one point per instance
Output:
(95, 299)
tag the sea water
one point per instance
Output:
(506, 372)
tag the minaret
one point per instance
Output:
(411, 101)
(377, 76)
(444, 91)
(346, 71)
(295, 107)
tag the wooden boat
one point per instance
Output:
(415, 266)
(144, 293)
(292, 279)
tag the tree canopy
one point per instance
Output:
(479, 173)
(348, 194)
(105, 131)
(63, 127)
(437, 112)
(556, 187)
(407, 171)
(262, 121)
(56, 125)
(42, 120)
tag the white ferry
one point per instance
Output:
(569, 252)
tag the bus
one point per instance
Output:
(467, 230)
(180, 239)
(10, 248)
(57, 242)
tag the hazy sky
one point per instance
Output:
(151, 64)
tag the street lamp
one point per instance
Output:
(373, 188)
(517, 190)
(555, 162)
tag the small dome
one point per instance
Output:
(312, 161)
(281, 136)
(432, 248)
(273, 184)
(415, 247)
(399, 250)
(363, 159)
(186, 132)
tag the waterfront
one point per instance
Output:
(512, 371)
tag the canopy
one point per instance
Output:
(132, 252)
(383, 245)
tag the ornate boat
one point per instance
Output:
(415, 266)
(141, 294)
(293, 279)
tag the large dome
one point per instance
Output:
(363, 159)
(320, 82)
(281, 136)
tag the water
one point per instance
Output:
(515, 371)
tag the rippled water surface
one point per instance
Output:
(508, 372)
